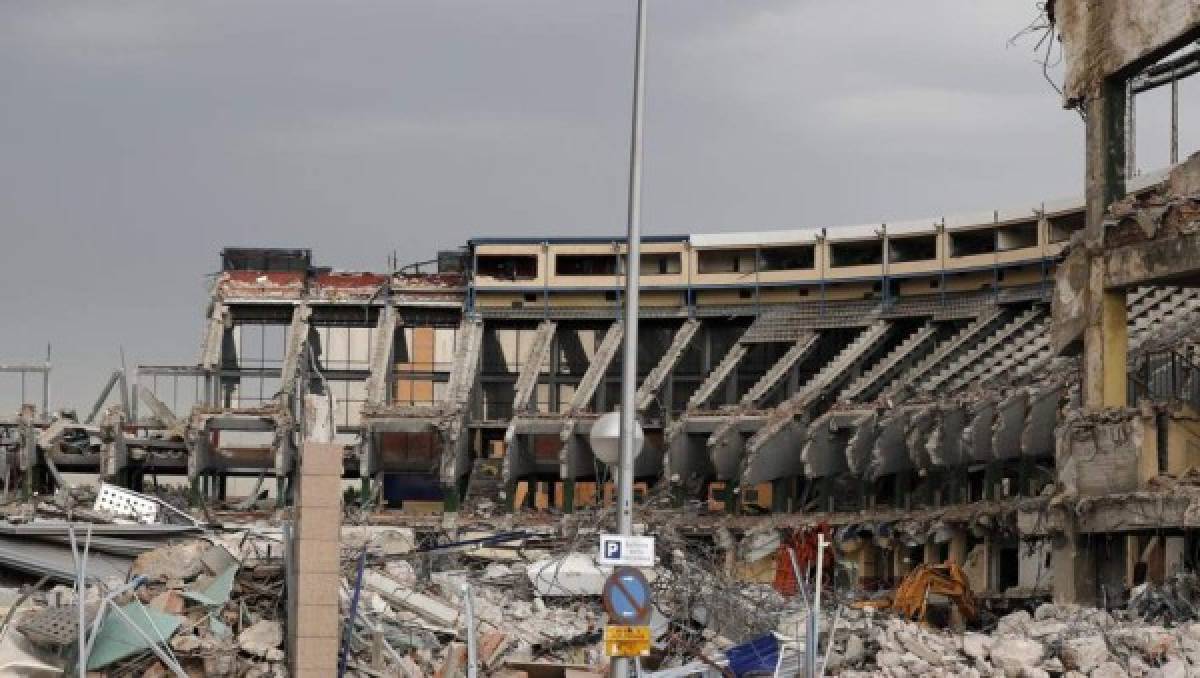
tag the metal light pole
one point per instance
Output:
(620, 665)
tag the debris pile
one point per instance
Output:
(1056, 640)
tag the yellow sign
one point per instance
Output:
(627, 641)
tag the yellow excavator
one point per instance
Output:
(911, 598)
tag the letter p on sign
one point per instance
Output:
(612, 549)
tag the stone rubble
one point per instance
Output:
(1057, 640)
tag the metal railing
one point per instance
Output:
(1165, 375)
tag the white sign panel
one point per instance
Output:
(616, 549)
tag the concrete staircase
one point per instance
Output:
(214, 337)
(467, 350)
(486, 482)
(964, 360)
(822, 382)
(381, 354)
(539, 353)
(1022, 344)
(799, 350)
(294, 351)
(889, 366)
(605, 352)
(718, 376)
(1159, 309)
(945, 350)
(654, 381)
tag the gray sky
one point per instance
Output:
(138, 138)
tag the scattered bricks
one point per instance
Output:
(318, 556)
(492, 646)
(321, 459)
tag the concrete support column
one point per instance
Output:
(931, 552)
(314, 622)
(1074, 565)
(568, 494)
(1105, 336)
(958, 547)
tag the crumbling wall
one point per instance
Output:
(1103, 38)
(1100, 454)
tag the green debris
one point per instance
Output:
(117, 639)
(217, 592)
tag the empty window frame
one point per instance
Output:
(969, 243)
(791, 258)
(507, 266)
(664, 263)
(1017, 236)
(585, 264)
(725, 261)
(912, 248)
(856, 253)
(1062, 226)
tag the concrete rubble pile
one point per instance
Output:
(1056, 640)
(198, 604)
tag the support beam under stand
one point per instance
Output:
(718, 375)
(605, 352)
(380, 366)
(539, 356)
(463, 380)
(113, 379)
(654, 381)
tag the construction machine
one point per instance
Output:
(912, 597)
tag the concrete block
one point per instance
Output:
(319, 491)
(319, 522)
(318, 556)
(321, 459)
(316, 654)
(315, 622)
(428, 607)
(316, 588)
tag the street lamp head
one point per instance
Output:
(605, 438)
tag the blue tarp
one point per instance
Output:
(759, 655)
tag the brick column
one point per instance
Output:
(314, 621)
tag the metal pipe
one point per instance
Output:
(814, 625)
(344, 657)
(1174, 120)
(621, 665)
(472, 642)
(632, 279)
(79, 600)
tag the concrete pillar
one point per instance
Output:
(1105, 336)
(1074, 565)
(958, 547)
(931, 552)
(1174, 555)
(1106, 343)
(568, 495)
(314, 622)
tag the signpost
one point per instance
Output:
(624, 550)
(627, 641)
(626, 599)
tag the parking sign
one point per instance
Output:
(616, 549)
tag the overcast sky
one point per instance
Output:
(138, 138)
